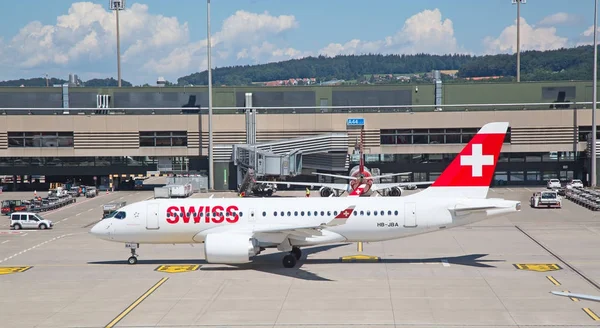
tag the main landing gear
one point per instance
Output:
(133, 259)
(289, 261)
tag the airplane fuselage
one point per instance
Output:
(176, 221)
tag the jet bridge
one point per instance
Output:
(285, 157)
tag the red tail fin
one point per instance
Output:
(473, 169)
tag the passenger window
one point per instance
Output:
(274, 213)
(328, 213)
(264, 213)
(23, 217)
(316, 213)
(295, 213)
(241, 214)
(389, 212)
(33, 218)
(374, 212)
(381, 212)
(322, 213)
(289, 213)
(282, 213)
(308, 213)
(335, 213)
(362, 212)
(302, 213)
(368, 212)
(395, 212)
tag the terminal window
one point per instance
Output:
(163, 139)
(430, 136)
(40, 139)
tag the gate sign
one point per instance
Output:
(355, 121)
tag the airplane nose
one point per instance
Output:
(100, 229)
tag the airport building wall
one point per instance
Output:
(544, 142)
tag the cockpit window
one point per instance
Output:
(119, 215)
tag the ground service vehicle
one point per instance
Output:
(234, 230)
(29, 220)
(12, 205)
(545, 199)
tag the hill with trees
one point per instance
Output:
(562, 64)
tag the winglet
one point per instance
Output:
(342, 216)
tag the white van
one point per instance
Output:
(29, 220)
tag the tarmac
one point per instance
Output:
(496, 273)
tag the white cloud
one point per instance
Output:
(422, 32)
(239, 35)
(561, 18)
(532, 38)
(86, 35)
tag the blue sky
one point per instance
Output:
(167, 38)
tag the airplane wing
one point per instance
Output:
(354, 178)
(381, 186)
(387, 175)
(579, 296)
(337, 186)
(335, 176)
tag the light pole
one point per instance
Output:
(211, 172)
(594, 95)
(118, 5)
(518, 3)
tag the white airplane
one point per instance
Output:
(234, 230)
(359, 176)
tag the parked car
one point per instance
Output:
(575, 183)
(554, 183)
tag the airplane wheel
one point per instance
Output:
(297, 252)
(289, 261)
(132, 260)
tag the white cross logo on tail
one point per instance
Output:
(476, 160)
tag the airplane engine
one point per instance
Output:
(395, 192)
(230, 248)
(325, 191)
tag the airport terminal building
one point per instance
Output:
(102, 134)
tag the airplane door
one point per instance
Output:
(152, 217)
(252, 217)
(410, 215)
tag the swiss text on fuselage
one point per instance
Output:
(204, 214)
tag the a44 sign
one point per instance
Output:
(355, 121)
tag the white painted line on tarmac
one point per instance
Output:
(6, 241)
(509, 189)
(91, 209)
(25, 234)
(445, 263)
(528, 189)
(34, 247)
(78, 214)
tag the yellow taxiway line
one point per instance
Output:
(136, 303)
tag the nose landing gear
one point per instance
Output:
(133, 259)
